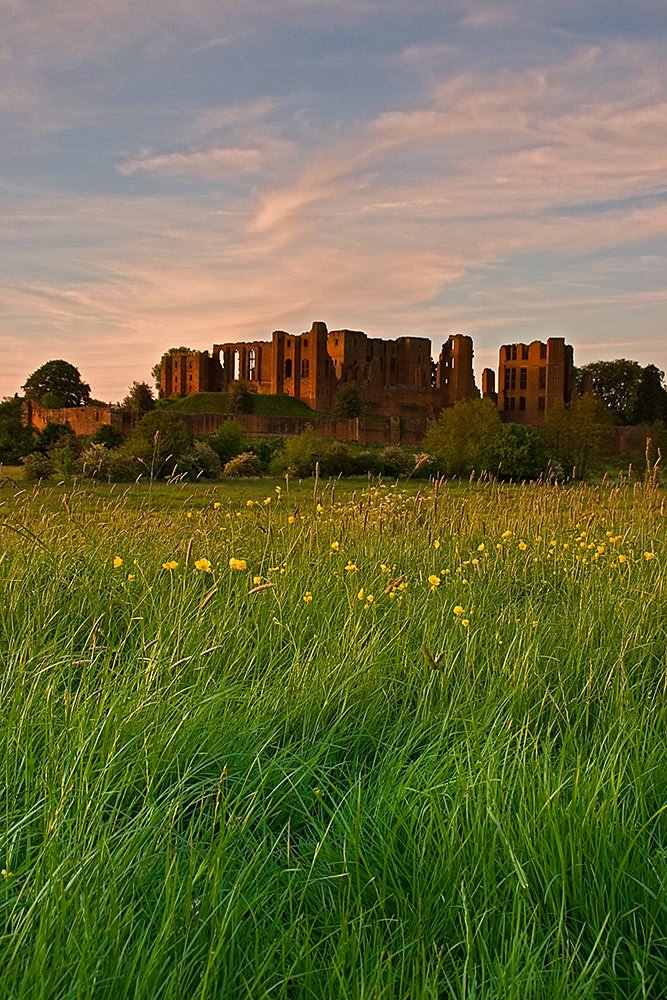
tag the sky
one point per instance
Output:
(200, 171)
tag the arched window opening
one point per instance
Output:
(252, 364)
(288, 368)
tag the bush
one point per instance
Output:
(241, 397)
(203, 461)
(228, 441)
(347, 403)
(160, 439)
(108, 436)
(300, 455)
(366, 463)
(246, 464)
(65, 459)
(517, 453)
(266, 450)
(337, 460)
(460, 438)
(37, 466)
(95, 462)
(55, 434)
(396, 461)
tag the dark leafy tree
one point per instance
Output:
(140, 398)
(241, 397)
(615, 383)
(347, 403)
(108, 436)
(577, 432)
(517, 453)
(15, 439)
(55, 435)
(650, 403)
(56, 384)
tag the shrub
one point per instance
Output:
(228, 441)
(396, 461)
(266, 449)
(337, 460)
(95, 462)
(241, 397)
(204, 461)
(65, 459)
(348, 401)
(108, 436)
(55, 434)
(460, 437)
(301, 454)
(246, 464)
(517, 453)
(366, 463)
(160, 439)
(37, 466)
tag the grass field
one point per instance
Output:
(265, 405)
(354, 742)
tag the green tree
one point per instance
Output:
(461, 436)
(517, 453)
(156, 370)
(577, 432)
(140, 397)
(650, 403)
(615, 383)
(57, 383)
(160, 438)
(347, 403)
(241, 397)
(15, 439)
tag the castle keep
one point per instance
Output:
(394, 377)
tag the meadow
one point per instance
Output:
(313, 741)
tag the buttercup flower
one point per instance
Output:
(203, 565)
(458, 610)
(117, 562)
(335, 546)
(237, 563)
(308, 597)
(648, 556)
(434, 581)
(522, 545)
(172, 564)
(351, 567)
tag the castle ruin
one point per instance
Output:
(394, 377)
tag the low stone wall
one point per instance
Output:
(87, 420)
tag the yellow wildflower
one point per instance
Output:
(308, 597)
(434, 581)
(291, 519)
(522, 545)
(361, 594)
(534, 623)
(351, 567)
(370, 599)
(319, 508)
(622, 559)
(203, 565)
(256, 580)
(171, 564)
(237, 563)
(335, 546)
(648, 556)
(189, 514)
(465, 622)
(5, 873)
(250, 503)
(217, 505)
(458, 610)
(436, 543)
(278, 489)
(475, 562)
(506, 535)
(117, 562)
(131, 576)
(480, 548)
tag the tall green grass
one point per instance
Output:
(214, 786)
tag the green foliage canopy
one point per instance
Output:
(57, 383)
(460, 438)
